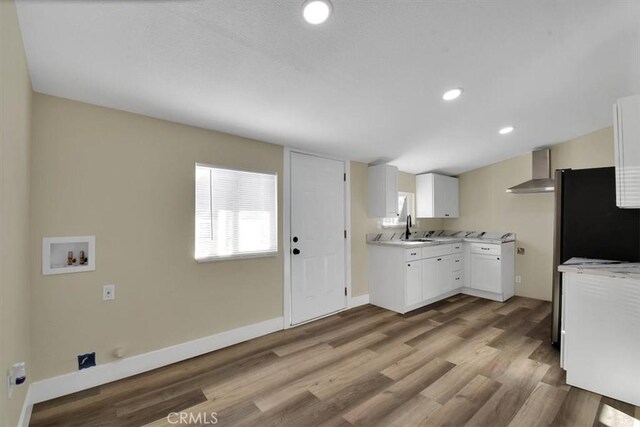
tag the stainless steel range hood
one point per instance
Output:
(541, 182)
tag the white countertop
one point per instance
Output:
(599, 267)
(437, 241)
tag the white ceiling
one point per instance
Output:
(365, 85)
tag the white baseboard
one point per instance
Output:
(62, 385)
(25, 414)
(359, 300)
(483, 294)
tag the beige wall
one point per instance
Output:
(128, 180)
(361, 224)
(484, 205)
(15, 118)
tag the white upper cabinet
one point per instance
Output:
(437, 196)
(626, 123)
(383, 191)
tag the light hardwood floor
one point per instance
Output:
(463, 361)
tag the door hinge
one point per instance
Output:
(345, 234)
(345, 292)
(345, 177)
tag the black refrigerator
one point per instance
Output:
(588, 224)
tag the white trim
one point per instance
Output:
(359, 300)
(286, 239)
(27, 407)
(287, 230)
(51, 388)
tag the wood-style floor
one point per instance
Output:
(463, 361)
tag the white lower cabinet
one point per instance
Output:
(403, 279)
(601, 335)
(491, 271)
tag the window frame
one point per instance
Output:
(251, 255)
(411, 200)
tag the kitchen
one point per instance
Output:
(596, 256)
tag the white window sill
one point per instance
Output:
(237, 257)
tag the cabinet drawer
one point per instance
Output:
(412, 254)
(481, 248)
(434, 251)
(456, 263)
(456, 279)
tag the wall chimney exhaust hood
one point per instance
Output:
(541, 182)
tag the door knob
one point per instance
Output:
(296, 251)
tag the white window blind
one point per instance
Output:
(236, 213)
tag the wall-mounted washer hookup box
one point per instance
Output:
(61, 255)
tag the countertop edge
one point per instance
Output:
(601, 272)
(405, 245)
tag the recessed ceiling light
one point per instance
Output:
(316, 11)
(505, 130)
(452, 94)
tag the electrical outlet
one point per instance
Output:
(87, 360)
(520, 251)
(518, 279)
(108, 292)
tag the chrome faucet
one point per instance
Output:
(407, 233)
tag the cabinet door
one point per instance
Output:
(485, 273)
(391, 191)
(444, 273)
(627, 147)
(452, 209)
(430, 285)
(602, 335)
(383, 191)
(413, 282)
(424, 195)
(440, 196)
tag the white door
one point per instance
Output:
(317, 237)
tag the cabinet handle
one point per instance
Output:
(408, 265)
(457, 260)
(457, 278)
(446, 214)
(485, 249)
(439, 259)
(498, 258)
(414, 253)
